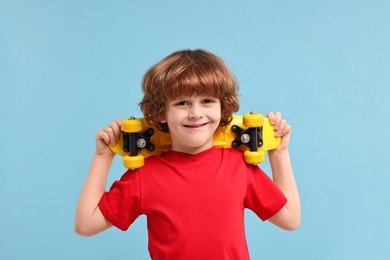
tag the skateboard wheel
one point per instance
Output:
(253, 120)
(132, 126)
(255, 157)
(133, 162)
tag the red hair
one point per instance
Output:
(188, 73)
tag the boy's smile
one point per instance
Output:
(192, 122)
(195, 125)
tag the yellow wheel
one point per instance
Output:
(253, 120)
(254, 157)
(132, 126)
(133, 162)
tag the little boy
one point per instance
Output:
(194, 195)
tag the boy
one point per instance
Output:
(194, 195)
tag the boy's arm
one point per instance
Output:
(289, 217)
(89, 220)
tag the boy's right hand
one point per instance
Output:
(109, 134)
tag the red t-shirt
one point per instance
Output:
(194, 203)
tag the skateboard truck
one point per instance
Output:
(252, 137)
(133, 143)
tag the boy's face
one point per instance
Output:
(192, 122)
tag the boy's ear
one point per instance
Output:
(163, 120)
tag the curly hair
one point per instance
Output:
(188, 73)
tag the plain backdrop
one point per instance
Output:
(68, 68)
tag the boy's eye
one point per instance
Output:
(209, 100)
(181, 103)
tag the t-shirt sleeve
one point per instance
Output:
(121, 204)
(263, 197)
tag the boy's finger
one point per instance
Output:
(279, 129)
(116, 126)
(103, 136)
(271, 117)
(109, 130)
(278, 116)
(118, 123)
(284, 130)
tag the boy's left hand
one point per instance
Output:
(282, 129)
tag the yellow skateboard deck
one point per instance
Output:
(251, 133)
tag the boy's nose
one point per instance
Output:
(195, 112)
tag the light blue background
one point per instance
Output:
(68, 68)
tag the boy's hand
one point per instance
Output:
(109, 134)
(282, 129)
